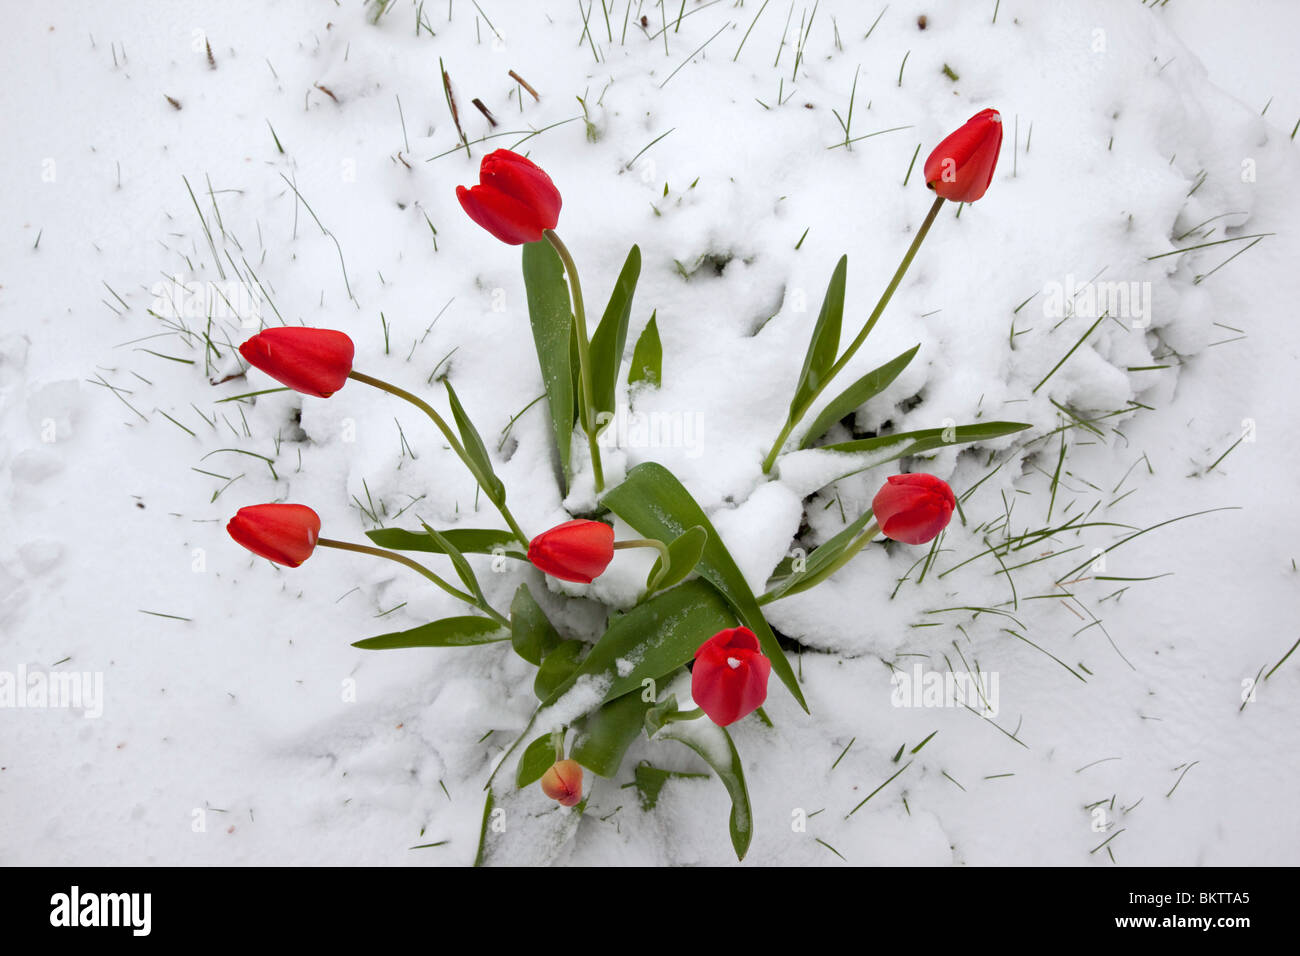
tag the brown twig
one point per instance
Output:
(484, 110)
(451, 104)
(524, 83)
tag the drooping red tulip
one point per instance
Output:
(729, 679)
(515, 200)
(285, 534)
(311, 361)
(577, 550)
(913, 508)
(563, 782)
(961, 167)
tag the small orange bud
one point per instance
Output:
(563, 782)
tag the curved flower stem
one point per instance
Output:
(588, 401)
(419, 569)
(452, 440)
(665, 561)
(680, 715)
(821, 574)
(856, 344)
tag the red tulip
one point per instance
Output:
(285, 534)
(577, 550)
(311, 361)
(563, 782)
(961, 167)
(913, 508)
(515, 199)
(729, 679)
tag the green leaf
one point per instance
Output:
(647, 356)
(824, 345)
(604, 735)
(465, 540)
(463, 570)
(714, 744)
(537, 758)
(475, 450)
(651, 640)
(684, 554)
(551, 318)
(650, 782)
(856, 395)
(480, 856)
(610, 337)
(821, 557)
(449, 632)
(655, 503)
(531, 632)
(658, 715)
(886, 448)
(557, 668)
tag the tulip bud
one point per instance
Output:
(577, 550)
(515, 199)
(961, 167)
(563, 782)
(729, 679)
(311, 361)
(913, 508)
(285, 534)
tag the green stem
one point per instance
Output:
(587, 398)
(856, 344)
(821, 574)
(452, 440)
(665, 561)
(419, 569)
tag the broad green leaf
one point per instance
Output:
(536, 760)
(610, 337)
(463, 570)
(475, 450)
(557, 668)
(551, 317)
(824, 345)
(856, 395)
(684, 554)
(465, 540)
(603, 736)
(647, 356)
(449, 632)
(887, 448)
(655, 503)
(650, 782)
(531, 632)
(713, 743)
(820, 558)
(658, 715)
(651, 640)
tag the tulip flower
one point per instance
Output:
(563, 782)
(729, 679)
(961, 167)
(285, 534)
(515, 200)
(577, 550)
(913, 508)
(312, 361)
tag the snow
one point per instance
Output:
(244, 728)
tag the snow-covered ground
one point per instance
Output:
(238, 724)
